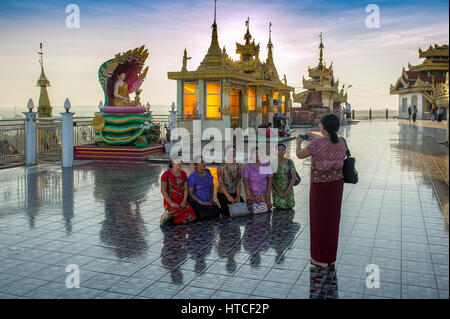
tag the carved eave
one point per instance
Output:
(210, 74)
(300, 97)
(437, 50)
(284, 87)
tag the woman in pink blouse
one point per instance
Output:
(327, 184)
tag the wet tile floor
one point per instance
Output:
(105, 219)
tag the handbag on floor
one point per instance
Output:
(259, 208)
(238, 209)
(349, 170)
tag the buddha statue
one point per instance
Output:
(120, 94)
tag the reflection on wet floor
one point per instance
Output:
(104, 217)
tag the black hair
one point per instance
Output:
(269, 124)
(281, 144)
(330, 123)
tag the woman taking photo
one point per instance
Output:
(175, 192)
(201, 192)
(327, 184)
(229, 174)
(257, 181)
(283, 181)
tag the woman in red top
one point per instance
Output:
(327, 184)
(175, 192)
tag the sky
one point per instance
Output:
(368, 59)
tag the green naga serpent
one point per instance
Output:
(123, 121)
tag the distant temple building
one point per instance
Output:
(417, 86)
(226, 93)
(322, 93)
(44, 107)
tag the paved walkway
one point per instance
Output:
(105, 219)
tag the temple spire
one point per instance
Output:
(214, 57)
(247, 36)
(44, 107)
(215, 2)
(270, 45)
(321, 51)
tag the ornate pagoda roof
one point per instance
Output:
(321, 79)
(416, 78)
(218, 64)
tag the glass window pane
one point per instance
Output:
(213, 88)
(190, 88)
(189, 111)
(251, 103)
(275, 95)
(212, 111)
(213, 100)
(190, 100)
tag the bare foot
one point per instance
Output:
(318, 264)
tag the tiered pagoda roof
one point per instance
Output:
(218, 64)
(321, 79)
(418, 77)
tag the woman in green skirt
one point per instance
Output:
(283, 181)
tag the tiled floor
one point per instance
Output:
(105, 219)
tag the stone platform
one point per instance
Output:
(117, 153)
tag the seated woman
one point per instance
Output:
(175, 192)
(201, 192)
(257, 180)
(283, 181)
(229, 174)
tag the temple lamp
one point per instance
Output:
(30, 105)
(173, 106)
(67, 105)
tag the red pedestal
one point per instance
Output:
(111, 153)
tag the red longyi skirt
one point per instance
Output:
(325, 201)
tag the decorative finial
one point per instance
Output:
(67, 105)
(321, 51)
(284, 79)
(215, 1)
(41, 53)
(30, 105)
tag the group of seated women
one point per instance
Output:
(192, 198)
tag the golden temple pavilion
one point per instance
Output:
(418, 86)
(225, 93)
(322, 94)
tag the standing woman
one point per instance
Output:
(201, 192)
(414, 116)
(257, 180)
(283, 181)
(229, 174)
(327, 184)
(175, 192)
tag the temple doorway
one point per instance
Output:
(235, 108)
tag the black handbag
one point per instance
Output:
(297, 177)
(349, 170)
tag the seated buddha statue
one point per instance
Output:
(121, 97)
